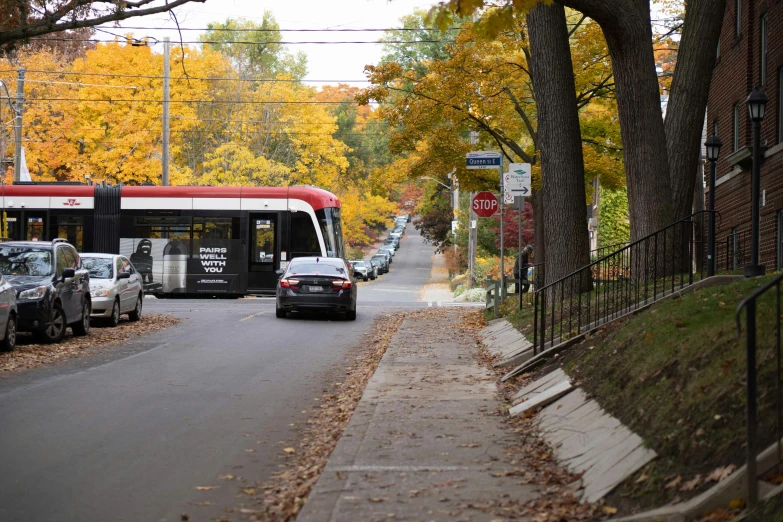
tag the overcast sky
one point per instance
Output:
(336, 62)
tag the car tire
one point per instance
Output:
(350, 315)
(135, 315)
(9, 342)
(82, 327)
(114, 319)
(366, 278)
(55, 331)
(280, 313)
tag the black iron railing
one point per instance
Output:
(618, 283)
(602, 251)
(764, 388)
(733, 252)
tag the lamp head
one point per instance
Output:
(757, 104)
(713, 145)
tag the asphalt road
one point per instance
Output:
(131, 434)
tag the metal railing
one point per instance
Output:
(761, 345)
(602, 251)
(733, 253)
(618, 283)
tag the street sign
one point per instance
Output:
(454, 227)
(484, 204)
(517, 179)
(483, 160)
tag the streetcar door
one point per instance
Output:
(12, 225)
(35, 226)
(263, 252)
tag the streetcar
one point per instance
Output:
(190, 240)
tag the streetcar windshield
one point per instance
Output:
(332, 230)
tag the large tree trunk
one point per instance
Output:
(559, 139)
(688, 98)
(626, 27)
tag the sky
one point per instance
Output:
(338, 63)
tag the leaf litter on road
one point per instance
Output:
(28, 354)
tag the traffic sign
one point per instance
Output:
(484, 204)
(483, 160)
(517, 179)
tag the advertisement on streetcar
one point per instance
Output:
(171, 265)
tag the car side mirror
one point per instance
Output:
(124, 275)
(279, 272)
(69, 273)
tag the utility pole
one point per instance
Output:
(472, 239)
(166, 99)
(18, 125)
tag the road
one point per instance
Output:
(129, 436)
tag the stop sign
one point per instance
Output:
(484, 204)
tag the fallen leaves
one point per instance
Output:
(289, 450)
(30, 355)
(721, 473)
(206, 488)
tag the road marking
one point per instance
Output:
(251, 316)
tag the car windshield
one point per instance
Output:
(359, 264)
(316, 269)
(99, 267)
(25, 261)
(381, 256)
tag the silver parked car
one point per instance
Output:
(8, 315)
(115, 286)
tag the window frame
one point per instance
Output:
(780, 105)
(763, 47)
(735, 141)
(738, 18)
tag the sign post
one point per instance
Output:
(491, 160)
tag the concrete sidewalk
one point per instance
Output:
(426, 441)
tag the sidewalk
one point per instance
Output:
(426, 441)
(437, 289)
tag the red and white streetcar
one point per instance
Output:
(183, 240)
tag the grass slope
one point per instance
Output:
(675, 374)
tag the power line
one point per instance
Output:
(262, 30)
(148, 100)
(244, 42)
(204, 78)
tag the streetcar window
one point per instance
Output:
(331, 228)
(304, 240)
(163, 228)
(71, 228)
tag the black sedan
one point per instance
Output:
(322, 284)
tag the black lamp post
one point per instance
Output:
(757, 104)
(713, 145)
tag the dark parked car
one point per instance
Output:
(392, 241)
(376, 268)
(383, 259)
(385, 253)
(53, 288)
(361, 269)
(316, 284)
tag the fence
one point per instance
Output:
(768, 340)
(618, 283)
(733, 253)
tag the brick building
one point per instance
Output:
(750, 53)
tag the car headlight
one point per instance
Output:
(101, 292)
(33, 293)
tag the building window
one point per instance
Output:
(738, 22)
(780, 239)
(735, 139)
(763, 50)
(780, 105)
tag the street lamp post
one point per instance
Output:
(757, 103)
(713, 145)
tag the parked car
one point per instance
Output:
(361, 269)
(115, 287)
(387, 254)
(393, 241)
(8, 316)
(376, 268)
(389, 249)
(383, 259)
(317, 284)
(53, 289)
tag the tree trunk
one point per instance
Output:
(688, 98)
(626, 27)
(559, 139)
(539, 246)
